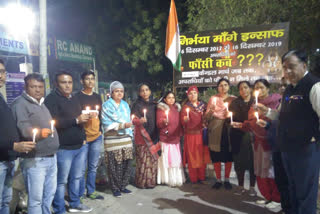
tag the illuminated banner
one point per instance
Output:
(237, 54)
(26, 46)
(73, 51)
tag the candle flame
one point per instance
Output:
(97, 107)
(187, 109)
(53, 122)
(35, 131)
(132, 116)
(230, 114)
(256, 93)
(257, 115)
(144, 110)
(226, 105)
(87, 108)
(167, 112)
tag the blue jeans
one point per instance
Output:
(40, 178)
(6, 177)
(70, 170)
(94, 149)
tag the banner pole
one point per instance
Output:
(173, 82)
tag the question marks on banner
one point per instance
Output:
(261, 57)
(241, 60)
(250, 58)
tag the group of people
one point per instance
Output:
(275, 137)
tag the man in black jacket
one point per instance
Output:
(9, 138)
(66, 111)
(299, 133)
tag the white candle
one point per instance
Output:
(145, 113)
(188, 109)
(132, 117)
(214, 101)
(167, 114)
(231, 119)
(256, 94)
(34, 131)
(97, 108)
(52, 127)
(257, 115)
(226, 105)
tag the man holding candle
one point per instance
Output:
(39, 167)
(8, 146)
(89, 99)
(72, 153)
(299, 133)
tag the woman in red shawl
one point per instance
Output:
(170, 170)
(195, 154)
(263, 167)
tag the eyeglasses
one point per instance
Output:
(3, 72)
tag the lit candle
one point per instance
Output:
(35, 131)
(167, 114)
(87, 108)
(226, 105)
(214, 101)
(97, 109)
(231, 119)
(132, 117)
(257, 115)
(256, 94)
(145, 113)
(52, 127)
(188, 109)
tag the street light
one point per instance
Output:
(18, 20)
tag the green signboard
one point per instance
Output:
(73, 51)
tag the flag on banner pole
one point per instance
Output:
(173, 49)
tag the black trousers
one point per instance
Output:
(282, 182)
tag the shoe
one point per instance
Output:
(272, 205)
(203, 182)
(240, 192)
(117, 194)
(227, 185)
(217, 185)
(80, 209)
(126, 191)
(252, 192)
(95, 195)
(261, 202)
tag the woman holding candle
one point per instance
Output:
(195, 154)
(170, 170)
(115, 118)
(145, 136)
(219, 145)
(241, 141)
(263, 167)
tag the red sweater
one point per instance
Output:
(171, 132)
(195, 123)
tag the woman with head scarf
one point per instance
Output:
(195, 154)
(170, 170)
(115, 118)
(241, 141)
(145, 136)
(263, 167)
(219, 145)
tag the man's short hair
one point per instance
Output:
(33, 76)
(300, 54)
(62, 72)
(1, 62)
(87, 73)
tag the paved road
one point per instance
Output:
(187, 199)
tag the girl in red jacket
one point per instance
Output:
(170, 170)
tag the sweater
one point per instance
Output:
(92, 127)
(171, 132)
(28, 115)
(8, 132)
(65, 111)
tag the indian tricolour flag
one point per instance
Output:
(173, 50)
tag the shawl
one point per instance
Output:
(113, 117)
